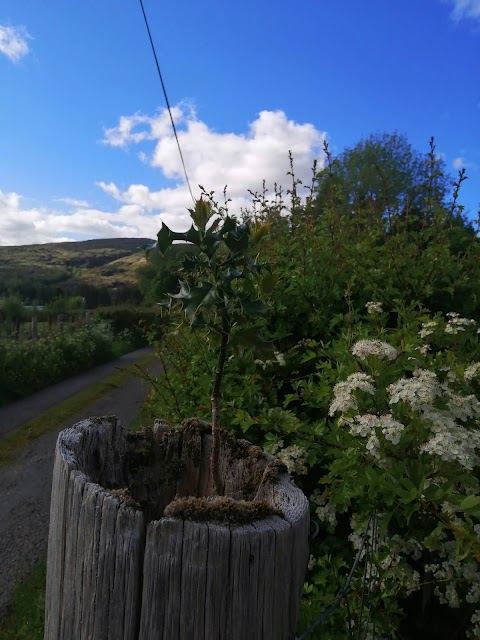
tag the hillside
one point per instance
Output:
(92, 268)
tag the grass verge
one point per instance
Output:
(16, 440)
(26, 617)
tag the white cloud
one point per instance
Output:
(13, 42)
(20, 224)
(73, 202)
(465, 9)
(239, 160)
(213, 159)
(458, 163)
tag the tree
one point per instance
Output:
(220, 291)
(384, 168)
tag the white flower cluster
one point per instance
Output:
(392, 551)
(471, 371)
(424, 348)
(409, 547)
(366, 426)
(456, 324)
(427, 328)
(450, 441)
(279, 359)
(374, 308)
(364, 348)
(343, 398)
(476, 528)
(293, 457)
(455, 578)
(358, 532)
(325, 512)
(474, 632)
(419, 391)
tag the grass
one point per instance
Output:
(26, 617)
(12, 443)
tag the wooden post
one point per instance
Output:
(117, 571)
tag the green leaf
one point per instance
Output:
(267, 283)
(166, 237)
(201, 214)
(237, 239)
(253, 308)
(469, 503)
(193, 236)
(256, 267)
(263, 350)
(193, 298)
(229, 224)
(190, 263)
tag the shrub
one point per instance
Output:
(27, 367)
(375, 299)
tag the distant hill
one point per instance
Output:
(97, 269)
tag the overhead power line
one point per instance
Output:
(166, 99)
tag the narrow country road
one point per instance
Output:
(25, 484)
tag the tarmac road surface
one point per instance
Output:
(25, 484)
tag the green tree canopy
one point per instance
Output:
(385, 168)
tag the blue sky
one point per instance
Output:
(85, 145)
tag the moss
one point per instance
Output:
(124, 496)
(139, 449)
(194, 451)
(196, 426)
(250, 488)
(273, 471)
(222, 510)
(173, 465)
(154, 464)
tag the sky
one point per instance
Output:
(86, 145)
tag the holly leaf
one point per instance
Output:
(193, 298)
(166, 237)
(201, 214)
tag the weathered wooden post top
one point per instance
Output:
(140, 547)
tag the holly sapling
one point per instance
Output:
(222, 289)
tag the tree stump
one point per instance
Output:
(141, 548)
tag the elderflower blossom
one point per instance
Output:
(476, 528)
(344, 399)
(462, 407)
(424, 348)
(452, 442)
(366, 424)
(279, 359)
(364, 348)
(360, 534)
(471, 371)
(294, 458)
(427, 328)
(325, 511)
(391, 428)
(456, 324)
(420, 390)
(453, 577)
(374, 308)
(474, 632)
